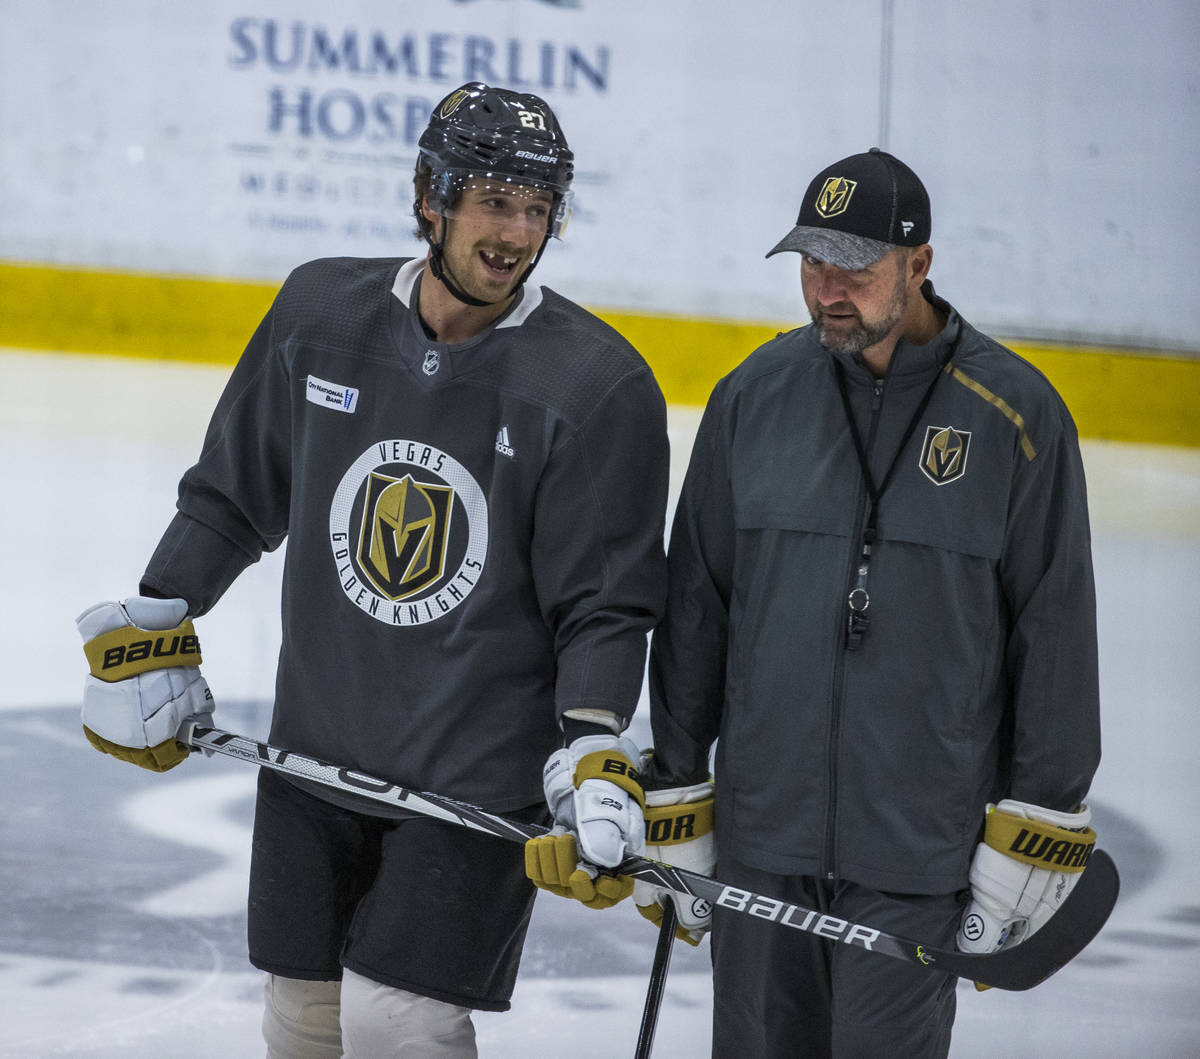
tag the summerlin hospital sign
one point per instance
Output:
(327, 140)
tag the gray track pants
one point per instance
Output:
(780, 993)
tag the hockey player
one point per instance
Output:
(881, 609)
(470, 473)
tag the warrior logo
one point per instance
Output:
(972, 927)
(944, 454)
(835, 195)
(408, 531)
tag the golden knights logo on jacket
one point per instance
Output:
(408, 532)
(944, 454)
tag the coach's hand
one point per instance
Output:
(679, 830)
(1024, 869)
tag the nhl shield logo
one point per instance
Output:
(944, 454)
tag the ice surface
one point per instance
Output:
(122, 893)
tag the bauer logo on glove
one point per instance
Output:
(119, 654)
(143, 681)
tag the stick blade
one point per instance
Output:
(1063, 938)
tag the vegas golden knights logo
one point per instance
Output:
(834, 196)
(452, 103)
(408, 533)
(944, 454)
(405, 526)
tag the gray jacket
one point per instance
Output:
(977, 677)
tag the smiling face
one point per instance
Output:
(497, 231)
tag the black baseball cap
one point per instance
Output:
(858, 209)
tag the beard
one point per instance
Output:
(862, 334)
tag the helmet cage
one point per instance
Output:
(446, 187)
(496, 135)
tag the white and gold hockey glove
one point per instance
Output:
(1024, 869)
(144, 679)
(679, 830)
(593, 791)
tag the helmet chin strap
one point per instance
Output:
(437, 265)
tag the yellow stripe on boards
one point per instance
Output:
(128, 313)
(1113, 394)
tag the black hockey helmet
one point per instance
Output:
(480, 132)
(498, 133)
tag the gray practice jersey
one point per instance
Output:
(474, 530)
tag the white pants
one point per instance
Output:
(361, 1019)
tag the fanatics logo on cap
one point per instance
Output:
(834, 196)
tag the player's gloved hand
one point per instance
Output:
(552, 863)
(593, 792)
(144, 679)
(679, 830)
(1024, 869)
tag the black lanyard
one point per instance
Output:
(859, 599)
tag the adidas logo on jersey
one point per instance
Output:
(503, 446)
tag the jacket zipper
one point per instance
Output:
(829, 860)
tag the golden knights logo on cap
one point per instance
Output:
(944, 454)
(834, 196)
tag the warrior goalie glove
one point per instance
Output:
(144, 679)
(1024, 869)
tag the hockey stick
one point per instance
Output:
(1021, 967)
(658, 981)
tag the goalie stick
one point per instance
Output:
(1021, 967)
